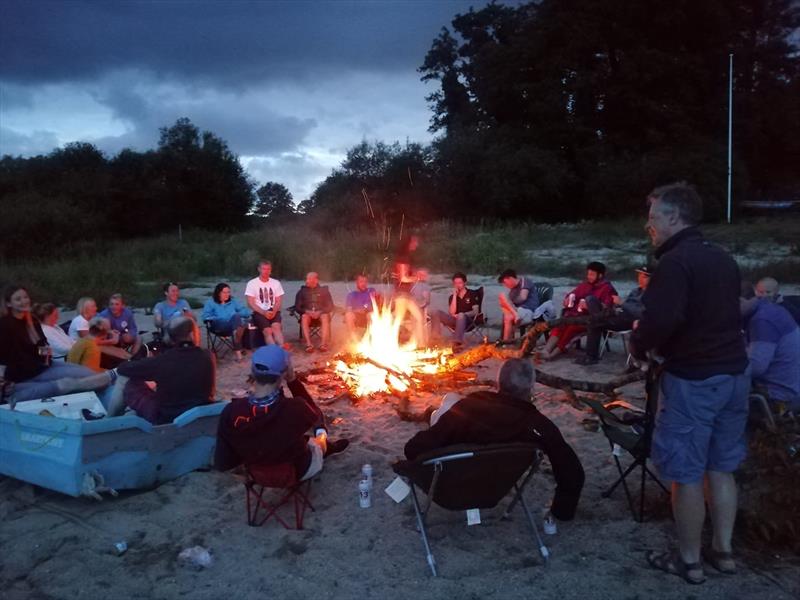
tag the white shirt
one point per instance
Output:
(78, 324)
(265, 292)
(59, 341)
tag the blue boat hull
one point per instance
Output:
(74, 456)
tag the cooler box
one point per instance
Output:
(68, 454)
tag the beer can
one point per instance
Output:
(571, 302)
(366, 473)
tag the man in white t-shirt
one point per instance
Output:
(264, 296)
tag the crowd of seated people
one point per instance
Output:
(591, 296)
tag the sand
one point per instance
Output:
(53, 546)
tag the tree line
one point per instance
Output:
(552, 110)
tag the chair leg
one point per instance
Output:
(622, 480)
(423, 531)
(542, 548)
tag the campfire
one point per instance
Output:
(382, 363)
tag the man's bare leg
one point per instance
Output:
(722, 502)
(689, 511)
(305, 326)
(325, 319)
(277, 333)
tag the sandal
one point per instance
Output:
(309, 349)
(671, 562)
(721, 561)
(323, 348)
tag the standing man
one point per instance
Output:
(264, 296)
(692, 319)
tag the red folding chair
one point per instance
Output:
(282, 477)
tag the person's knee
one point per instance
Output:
(305, 319)
(461, 318)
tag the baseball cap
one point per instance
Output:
(645, 270)
(269, 360)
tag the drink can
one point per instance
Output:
(121, 548)
(571, 301)
(366, 473)
(364, 499)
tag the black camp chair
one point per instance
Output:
(314, 328)
(477, 328)
(469, 476)
(632, 433)
(544, 291)
(219, 343)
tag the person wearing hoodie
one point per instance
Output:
(590, 297)
(268, 427)
(507, 415)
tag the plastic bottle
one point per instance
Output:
(364, 499)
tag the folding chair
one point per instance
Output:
(282, 477)
(632, 434)
(759, 400)
(609, 335)
(544, 291)
(218, 343)
(480, 322)
(315, 327)
(469, 476)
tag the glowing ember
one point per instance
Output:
(384, 364)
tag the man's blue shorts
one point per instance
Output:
(700, 426)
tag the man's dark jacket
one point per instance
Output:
(691, 309)
(491, 418)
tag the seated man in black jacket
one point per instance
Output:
(314, 303)
(269, 428)
(183, 377)
(507, 416)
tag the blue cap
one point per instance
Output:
(269, 360)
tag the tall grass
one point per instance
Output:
(138, 268)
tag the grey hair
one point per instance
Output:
(180, 329)
(680, 197)
(516, 378)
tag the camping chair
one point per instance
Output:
(480, 322)
(608, 335)
(470, 476)
(218, 343)
(282, 477)
(544, 291)
(632, 434)
(314, 328)
(758, 400)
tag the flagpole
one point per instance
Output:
(730, 130)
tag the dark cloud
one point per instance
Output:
(289, 85)
(229, 42)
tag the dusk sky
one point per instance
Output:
(289, 85)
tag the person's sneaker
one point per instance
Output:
(339, 445)
(586, 360)
(90, 416)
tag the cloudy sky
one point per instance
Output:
(289, 85)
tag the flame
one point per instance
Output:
(386, 364)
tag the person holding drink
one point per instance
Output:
(26, 369)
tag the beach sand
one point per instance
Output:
(53, 546)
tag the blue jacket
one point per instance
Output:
(214, 311)
(773, 345)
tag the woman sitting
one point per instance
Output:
(26, 372)
(226, 315)
(85, 351)
(60, 343)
